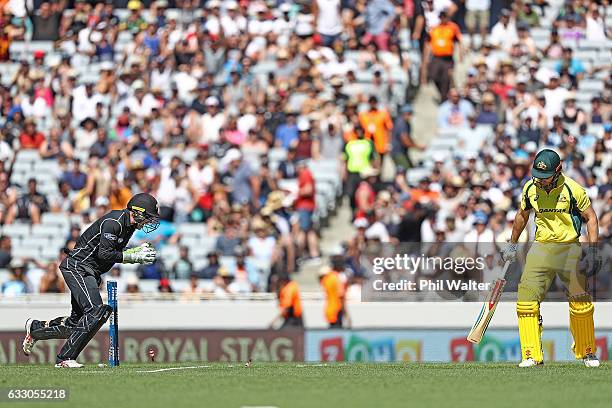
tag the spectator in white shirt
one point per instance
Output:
(141, 103)
(481, 238)
(233, 24)
(555, 97)
(213, 24)
(201, 174)
(503, 34)
(84, 101)
(328, 20)
(212, 121)
(595, 27)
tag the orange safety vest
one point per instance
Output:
(443, 39)
(334, 292)
(376, 126)
(289, 298)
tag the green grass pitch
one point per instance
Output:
(294, 385)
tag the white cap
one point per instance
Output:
(511, 215)
(361, 223)
(211, 101)
(531, 147)
(138, 84)
(303, 124)
(231, 155)
(102, 201)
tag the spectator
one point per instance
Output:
(212, 268)
(334, 291)
(366, 192)
(84, 101)
(376, 124)
(327, 14)
(477, 15)
(46, 21)
(29, 206)
(443, 39)
(193, 291)
(240, 179)
(453, 112)
(55, 147)
(503, 33)
(211, 122)
(75, 177)
(528, 15)
(359, 155)
(31, 138)
(17, 283)
(595, 26)
(306, 147)
(402, 141)
(226, 244)
(5, 251)
(289, 301)
(305, 205)
(182, 268)
(574, 65)
(287, 133)
(487, 114)
(287, 168)
(555, 97)
(52, 281)
(481, 236)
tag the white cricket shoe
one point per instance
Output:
(28, 340)
(591, 360)
(68, 364)
(529, 362)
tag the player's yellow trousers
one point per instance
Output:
(543, 263)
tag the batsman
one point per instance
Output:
(96, 251)
(561, 206)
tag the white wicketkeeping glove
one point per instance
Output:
(142, 254)
(510, 252)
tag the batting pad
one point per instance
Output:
(530, 330)
(582, 327)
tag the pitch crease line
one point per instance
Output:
(159, 370)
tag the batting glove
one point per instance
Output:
(593, 261)
(142, 254)
(510, 252)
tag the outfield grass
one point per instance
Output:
(294, 385)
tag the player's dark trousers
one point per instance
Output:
(87, 316)
(440, 71)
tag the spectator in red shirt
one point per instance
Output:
(305, 206)
(30, 138)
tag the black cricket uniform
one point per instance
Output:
(101, 245)
(96, 251)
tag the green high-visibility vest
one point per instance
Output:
(358, 154)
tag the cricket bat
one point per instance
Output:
(488, 308)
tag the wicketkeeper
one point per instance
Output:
(96, 251)
(560, 205)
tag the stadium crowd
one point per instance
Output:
(227, 110)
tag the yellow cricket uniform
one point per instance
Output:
(558, 212)
(556, 251)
